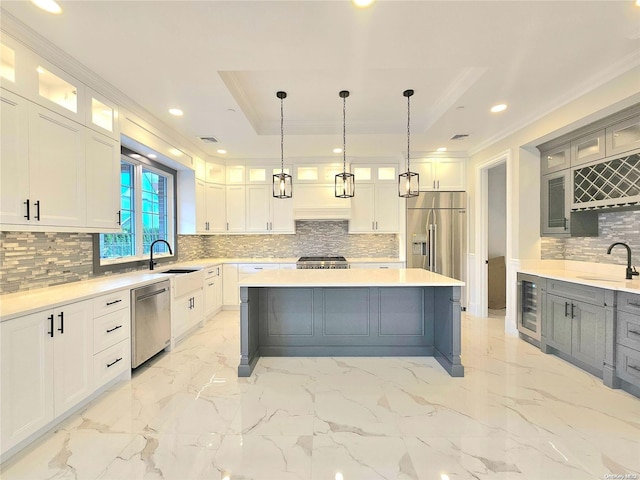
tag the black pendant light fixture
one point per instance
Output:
(345, 184)
(282, 186)
(408, 182)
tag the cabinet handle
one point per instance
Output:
(565, 223)
(572, 314)
(109, 330)
(257, 268)
(566, 307)
(438, 183)
(37, 215)
(50, 332)
(227, 226)
(211, 284)
(373, 225)
(376, 224)
(270, 225)
(119, 217)
(634, 367)
(61, 316)
(434, 184)
(114, 362)
(28, 215)
(634, 304)
(114, 302)
(635, 332)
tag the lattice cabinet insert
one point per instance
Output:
(612, 183)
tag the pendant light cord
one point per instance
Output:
(408, 132)
(281, 135)
(344, 134)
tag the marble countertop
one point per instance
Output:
(401, 277)
(593, 274)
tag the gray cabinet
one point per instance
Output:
(555, 159)
(575, 324)
(628, 342)
(588, 148)
(624, 136)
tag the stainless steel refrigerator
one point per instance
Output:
(437, 233)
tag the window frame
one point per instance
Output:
(138, 261)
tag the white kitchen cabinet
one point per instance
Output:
(103, 181)
(56, 169)
(102, 115)
(235, 208)
(210, 207)
(186, 312)
(235, 174)
(14, 151)
(266, 214)
(60, 92)
(213, 290)
(215, 173)
(230, 293)
(47, 368)
(375, 208)
(448, 174)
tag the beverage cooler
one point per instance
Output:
(529, 308)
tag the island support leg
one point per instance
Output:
(249, 345)
(447, 330)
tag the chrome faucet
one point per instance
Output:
(151, 262)
(630, 271)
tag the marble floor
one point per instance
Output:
(517, 414)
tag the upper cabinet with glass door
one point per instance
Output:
(588, 148)
(555, 159)
(371, 173)
(623, 136)
(18, 67)
(60, 92)
(102, 115)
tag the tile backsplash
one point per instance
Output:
(612, 227)
(30, 260)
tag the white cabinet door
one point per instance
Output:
(26, 387)
(103, 181)
(73, 355)
(362, 209)
(281, 215)
(180, 313)
(230, 294)
(235, 206)
(386, 208)
(201, 207)
(56, 168)
(14, 152)
(210, 292)
(257, 208)
(426, 171)
(216, 210)
(450, 174)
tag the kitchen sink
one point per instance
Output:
(186, 280)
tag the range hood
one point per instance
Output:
(318, 202)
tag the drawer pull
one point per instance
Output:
(114, 302)
(114, 362)
(635, 332)
(211, 284)
(634, 304)
(114, 328)
(50, 332)
(634, 367)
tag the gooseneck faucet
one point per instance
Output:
(630, 271)
(151, 262)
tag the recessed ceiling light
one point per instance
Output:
(363, 3)
(135, 155)
(152, 155)
(637, 3)
(221, 150)
(442, 149)
(337, 150)
(176, 112)
(499, 108)
(50, 6)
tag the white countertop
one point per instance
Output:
(401, 277)
(610, 277)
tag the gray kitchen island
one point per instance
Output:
(354, 312)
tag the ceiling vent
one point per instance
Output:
(209, 139)
(459, 136)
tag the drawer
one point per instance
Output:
(111, 302)
(629, 302)
(628, 330)
(257, 267)
(111, 362)
(575, 291)
(214, 271)
(111, 329)
(628, 365)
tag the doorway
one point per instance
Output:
(497, 239)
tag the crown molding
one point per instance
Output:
(618, 69)
(41, 46)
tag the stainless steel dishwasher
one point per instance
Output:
(150, 321)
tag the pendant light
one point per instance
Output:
(345, 182)
(408, 182)
(282, 186)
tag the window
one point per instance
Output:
(147, 209)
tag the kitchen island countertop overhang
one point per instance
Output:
(394, 312)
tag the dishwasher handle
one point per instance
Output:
(149, 295)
